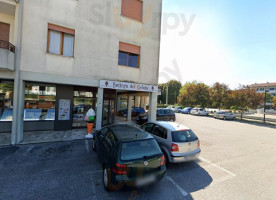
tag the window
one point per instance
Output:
(160, 132)
(183, 136)
(6, 100)
(139, 149)
(129, 55)
(109, 141)
(147, 127)
(132, 9)
(60, 40)
(39, 102)
(84, 99)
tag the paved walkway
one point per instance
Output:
(53, 136)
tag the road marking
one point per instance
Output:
(183, 192)
(220, 180)
(221, 168)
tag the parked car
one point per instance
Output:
(186, 110)
(224, 115)
(170, 107)
(135, 111)
(178, 143)
(177, 109)
(199, 112)
(162, 114)
(129, 156)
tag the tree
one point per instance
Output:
(246, 98)
(173, 87)
(218, 95)
(194, 94)
(162, 97)
(274, 102)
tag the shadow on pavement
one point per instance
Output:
(70, 170)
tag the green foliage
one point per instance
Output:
(234, 108)
(193, 93)
(274, 102)
(218, 95)
(269, 97)
(6, 87)
(173, 91)
(245, 98)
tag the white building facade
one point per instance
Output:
(58, 58)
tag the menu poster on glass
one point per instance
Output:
(64, 109)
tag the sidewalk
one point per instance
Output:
(45, 136)
(54, 136)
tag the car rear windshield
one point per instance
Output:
(183, 136)
(139, 149)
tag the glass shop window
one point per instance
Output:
(40, 101)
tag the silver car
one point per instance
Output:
(224, 115)
(178, 143)
(199, 112)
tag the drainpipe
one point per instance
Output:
(17, 120)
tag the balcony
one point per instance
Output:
(7, 55)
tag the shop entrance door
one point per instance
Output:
(108, 112)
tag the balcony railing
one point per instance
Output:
(7, 45)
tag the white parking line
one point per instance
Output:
(221, 168)
(183, 192)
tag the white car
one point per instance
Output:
(199, 112)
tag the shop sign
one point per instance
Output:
(116, 85)
(64, 109)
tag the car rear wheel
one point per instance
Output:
(171, 120)
(106, 179)
(224, 118)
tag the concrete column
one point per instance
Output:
(129, 108)
(20, 113)
(152, 106)
(99, 114)
(16, 136)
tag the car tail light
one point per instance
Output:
(198, 144)
(174, 148)
(119, 169)
(162, 160)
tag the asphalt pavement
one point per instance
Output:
(237, 162)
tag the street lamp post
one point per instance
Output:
(264, 104)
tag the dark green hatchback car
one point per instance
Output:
(129, 156)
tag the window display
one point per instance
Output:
(6, 100)
(83, 101)
(39, 102)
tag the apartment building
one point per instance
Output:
(262, 87)
(58, 58)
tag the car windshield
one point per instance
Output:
(139, 149)
(183, 136)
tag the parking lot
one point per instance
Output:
(237, 162)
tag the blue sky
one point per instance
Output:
(230, 41)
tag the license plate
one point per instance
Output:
(145, 181)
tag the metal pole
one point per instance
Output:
(264, 105)
(167, 93)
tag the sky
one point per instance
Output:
(227, 41)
